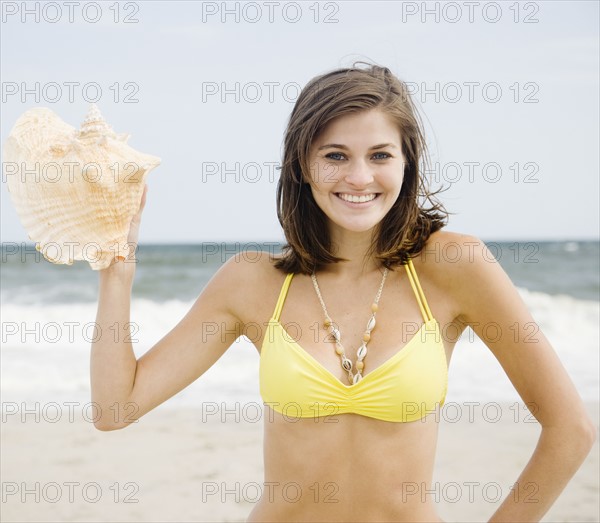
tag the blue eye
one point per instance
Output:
(386, 156)
(333, 154)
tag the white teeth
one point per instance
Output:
(357, 199)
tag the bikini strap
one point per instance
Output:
(416, 286)
(282, 295)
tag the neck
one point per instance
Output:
(352, 246)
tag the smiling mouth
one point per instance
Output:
(351, 198)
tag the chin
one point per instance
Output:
(355, 227)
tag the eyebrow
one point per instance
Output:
(340, 146)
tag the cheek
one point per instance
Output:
(314, 173)
(392, 181)
(321, 196)
(317, 192)
(324, 176)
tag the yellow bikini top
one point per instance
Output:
(407, 387)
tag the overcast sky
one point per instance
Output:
(509, 93)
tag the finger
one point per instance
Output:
(136, 218)
(143, 202)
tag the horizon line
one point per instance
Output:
(281, 242)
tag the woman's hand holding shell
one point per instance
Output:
(125, 265)
(134, 227)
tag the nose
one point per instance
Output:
(359, 174)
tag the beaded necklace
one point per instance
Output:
(361, 353)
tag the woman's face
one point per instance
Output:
(357, 169)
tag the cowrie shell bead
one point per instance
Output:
(371, 324)
(362, 352)
(335, 333)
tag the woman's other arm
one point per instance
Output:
(488, 298)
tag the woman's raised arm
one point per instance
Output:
(124, 388)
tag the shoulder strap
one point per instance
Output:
(282, 295)
(416, 286)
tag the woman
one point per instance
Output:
(376, 308)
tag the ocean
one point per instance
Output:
(48, 314)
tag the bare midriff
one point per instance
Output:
(347, 468)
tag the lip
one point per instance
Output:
(357, 205)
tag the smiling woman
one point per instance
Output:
(374, 333)
(346, 125)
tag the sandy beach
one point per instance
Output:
(174, 466)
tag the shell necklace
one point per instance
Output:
(361, 353)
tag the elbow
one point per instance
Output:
(589, 433)
(107, 423)
(576, 437)
(107, 427)
(583, 435)
(109, 416)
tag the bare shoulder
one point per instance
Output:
(447, 255)
(253, 283)
(467, 270)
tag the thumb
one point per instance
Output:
(134, 226)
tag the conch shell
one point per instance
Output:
(75, 191)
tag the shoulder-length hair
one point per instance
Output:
(405, 229)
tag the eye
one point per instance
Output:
(385, 157)
(333, 154)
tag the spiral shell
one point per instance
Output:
(75, 190)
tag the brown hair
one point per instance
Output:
(405, 229)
